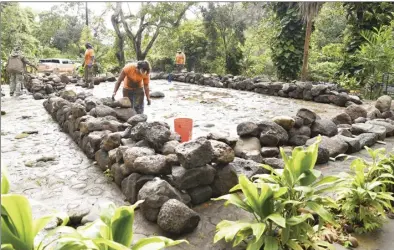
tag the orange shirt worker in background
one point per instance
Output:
(180, 60)
(136, 82)
(88, 63)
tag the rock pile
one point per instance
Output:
(109, 77)
(346, 133)
(322, 93)
(146, 159)
(42, 86)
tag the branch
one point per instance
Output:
(115, 21)
(152, 40)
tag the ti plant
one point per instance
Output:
(112, 231)
(18, 229)
(283, 205)
(363, 200)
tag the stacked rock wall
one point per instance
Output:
(345, 133)
(322, 93)
(146, 159)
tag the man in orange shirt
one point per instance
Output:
(180, 60)
(88, 64)
(135, 77)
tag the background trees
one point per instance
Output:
(285, 41)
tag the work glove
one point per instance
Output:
(149, 102)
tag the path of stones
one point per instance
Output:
(69, 181)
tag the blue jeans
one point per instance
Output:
(136, 97)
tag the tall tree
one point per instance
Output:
(227, 22)
(308, 11)
(287, 43)
(149, 21)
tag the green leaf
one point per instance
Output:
(235, 200)
(294, 245)
(256, 244)
(295, 220)
(7, 247)
(18, 213)
(251, 193)
(156, 243)
(278, 219)
(258, 229)
(322, 212)
(122, 224)
(229, 229)
(107, 211)
(271, 243)
(5, 185)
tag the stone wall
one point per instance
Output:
(146, 159)
(45, 84)
(322, 93)
(346, 133)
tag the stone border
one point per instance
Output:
(345, 133)
(146, 159)
(322, 93)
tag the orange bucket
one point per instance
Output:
(184, 127)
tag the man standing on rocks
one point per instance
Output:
(88, 64)
(15, 67)
(180, 60)
(136, 80)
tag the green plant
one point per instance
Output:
(113, 230)
(18, 229)
(348, 82)
(283, 205)
(287, 44)
(363, 200)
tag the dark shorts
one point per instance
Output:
(136, 97)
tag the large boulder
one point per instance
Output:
(307, 115)
(177, 218)
(152, 164)
(123, 102)
(374, 114)
(131, 154)
(248, 148)
(298, 140)
(354, 144)
(269, 152)
(383, 103)
(342, 118)
(200, 194)
(196, 153)
(246, 167)
(134, 120)
(389, 127)
(102, 111)
(285, 122)
(156, 135)
(69, 95)
(157, 94)
(169, 147)
(64, 79)
(360, 128)
(222, 152)
(91, 102)
(130, 188)
(356, 111)
(190, 178)
(272, 134)
(324, 127)
(367, 139)
(111, 141)
(124, 114)
(155, 193)
(102, 159)
(274, 162)
(303, 130)
(334, 145)
(248, 129)
(225, 179)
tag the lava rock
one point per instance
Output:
(195, 153)
(177, 218)
(190, 178)
(247, 129)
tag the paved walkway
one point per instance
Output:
(69, 181)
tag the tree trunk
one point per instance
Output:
(308, 33)
(86, 13)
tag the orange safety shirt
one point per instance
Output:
(89, 53)
(180, 58)
(134, 76)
